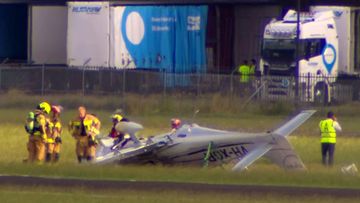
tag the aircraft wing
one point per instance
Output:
(125, 154)
(252, 156)
(108, 154)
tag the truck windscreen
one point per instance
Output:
(279, 50)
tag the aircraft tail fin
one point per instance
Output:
(282, 153)
(294, 123)
(280, 150)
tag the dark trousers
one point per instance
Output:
(327, 152)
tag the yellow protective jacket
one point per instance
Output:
(328, 132)
(55, 129)
(40, 125)
(87, 126)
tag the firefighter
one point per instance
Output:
(116, 117)
(53, 141)
(252, 67)
(175, 124)
(84, 129)
(37, 128)
(118, 137)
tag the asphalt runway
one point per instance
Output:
(172, 186)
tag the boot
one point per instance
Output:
(79, 159)
(56, 157)
(89, 158)
(48, 157)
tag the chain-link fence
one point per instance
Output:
(49, 79)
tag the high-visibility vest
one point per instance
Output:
(90, 123)
(328, 132)
(244, 71)
(56, 130)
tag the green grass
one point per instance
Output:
(176, 104)
(155, 118)
(13, 150)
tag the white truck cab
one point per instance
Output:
(326, 49)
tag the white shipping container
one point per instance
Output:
(88, 34)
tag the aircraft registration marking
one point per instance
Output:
(227, 153)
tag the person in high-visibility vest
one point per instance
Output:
(53, 141)
(244, 71)
(328, 128)
(37, 128)
(252, 66)
(84, 129)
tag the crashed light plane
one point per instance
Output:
(196, 145)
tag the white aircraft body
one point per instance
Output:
(196, 145)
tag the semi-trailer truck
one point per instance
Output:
(326, 47)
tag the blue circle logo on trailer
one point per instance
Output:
(135, 36)
(329, 57)
(148, 33)
(134, 30)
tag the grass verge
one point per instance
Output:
(154, 114)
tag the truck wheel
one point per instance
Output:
(321, 94)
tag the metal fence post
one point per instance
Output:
(83, 80)
(111, 80)
(124, 83)
(3, 62)
(253, 95)
(83, 75)
(198, 83)
(164, 79)
(42, 79)
(68, 78)
(231, 81)
(100, 81)
(0, 76)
